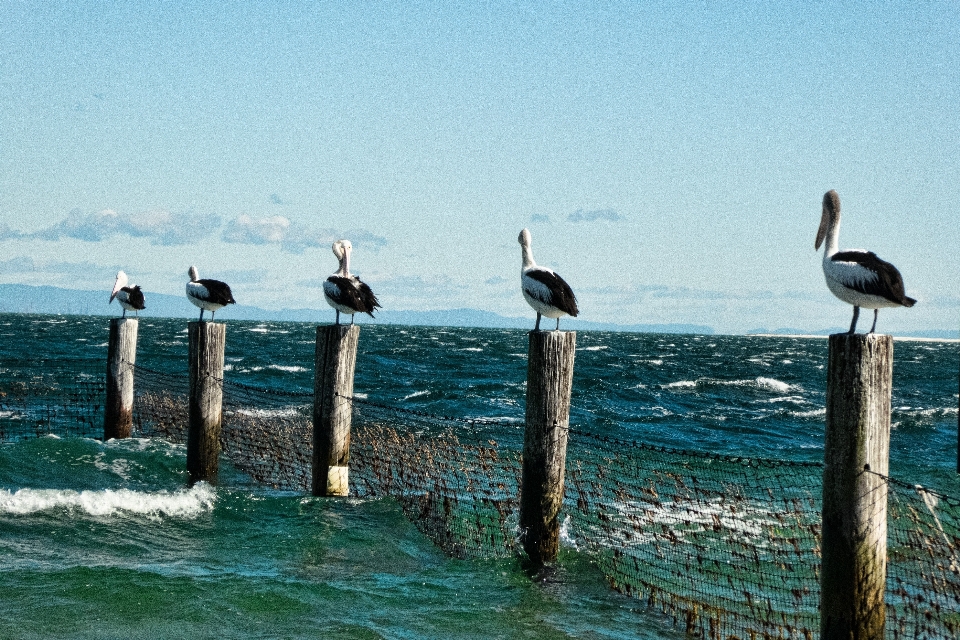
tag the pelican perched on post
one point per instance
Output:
(344, 291)
(543, 289)
(857, 277)
(209, 295)
(129, 297)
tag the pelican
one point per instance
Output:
(344, 291)
(129, 297)
(543, 289)
(857, 277)
(209, 295)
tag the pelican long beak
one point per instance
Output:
(822, 231)
(116, 288)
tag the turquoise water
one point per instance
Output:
(105, 540)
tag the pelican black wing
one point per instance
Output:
(354, 294)
(887, 283)
(561, 295)
(135, 297)
(217, 292)
(370, 301)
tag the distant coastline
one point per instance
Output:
(21, 298)
(824, 335)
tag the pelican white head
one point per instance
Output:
(194, 274)
(342, 249)
(524, 238)
(527, 252)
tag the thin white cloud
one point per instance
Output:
(664, 292)
(361, 237)
(244, 276)
(166, 228)
(20, 264)
(437, 287)
(609, 215)
(161, 227)
(6, 233)
(293, 237)
(26, 265)
(247, 230)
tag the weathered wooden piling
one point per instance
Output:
(207, 342)
(335, 361)
(856, 449)
(121, 356)
(549, 385)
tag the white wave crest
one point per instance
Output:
(773, 384)
(767, 384)
(286, 412)
(814, 413)
(416, 394)
(288, 368)
(185, 503)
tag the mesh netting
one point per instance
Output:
(65, 397)
(727, 547)
(457, 479)
(923, 562)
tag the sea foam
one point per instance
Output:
(767, 384)
(185, 503)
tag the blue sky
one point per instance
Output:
(669, 159)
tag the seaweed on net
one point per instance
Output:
(728, 547)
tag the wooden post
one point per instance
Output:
(121, 356)
(549, 385)
(856, 448)
(207, 341)
(335, 360)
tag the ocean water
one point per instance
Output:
(106, 540)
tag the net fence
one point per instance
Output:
(725, 547)
(64, 397)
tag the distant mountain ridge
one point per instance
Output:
(21, 298)
(931, 334)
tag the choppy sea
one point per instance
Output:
(106, 540)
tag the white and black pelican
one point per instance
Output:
(129, 297)
(344, 291)
(857, 277)
(209, 295)
(543, 289)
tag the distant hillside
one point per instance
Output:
(19, 298)
(931, 334)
